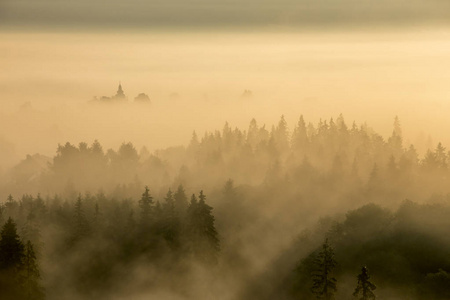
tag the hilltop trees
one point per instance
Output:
(338, 153)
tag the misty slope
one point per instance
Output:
(282, 182)
(406, 252)
(327, 161)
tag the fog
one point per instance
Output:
(204, 150)
(198, 80)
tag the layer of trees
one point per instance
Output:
(19, 272)
(330, 152)
(96, 231)
(92, 241)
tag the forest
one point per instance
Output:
(331, 210)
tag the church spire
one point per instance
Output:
(120, 94)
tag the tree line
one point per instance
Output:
(330, 151)
(94, 239)
(93, 202)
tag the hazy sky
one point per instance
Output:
(370, 60)
(150, 14)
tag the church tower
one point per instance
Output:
(120, 94)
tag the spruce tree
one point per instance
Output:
(31, 275)
(441, 157)
(81, 227)
(11, 248)
(324, 285)
(11, 260)
(180, 201)
(11, 206)
(147, 207)
(205, 214)
(203, 234)
(300, 136)
(365, 287)
(170, 220)
(32, 230)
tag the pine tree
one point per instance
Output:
(340, 123)
(169, 203)
(204, 237)
(32, 230)
(81, 227)
(441, 157)
(11, 260)
(147, 207)
(180, 201)
(171, 222)
(11, 248)
(430, 161)
(396, 140)
(300, 136)
(11, 206)
(253, 134)
(281, 135)
(194, 143)
(365, 287)
(31, 275)
(324, 285)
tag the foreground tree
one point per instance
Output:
(324, 285)
(365, 287)
(201, 229)
(11, 257)
(31, 275)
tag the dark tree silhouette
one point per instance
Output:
(207, 220)
(11, 248)
(31, 275)
(81, 227)
(147, 207)
(365, 287)
(203, 234)
(11, 260)
(180, 201)
(324, 285)
(170, 220)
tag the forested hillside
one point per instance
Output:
(236, 214)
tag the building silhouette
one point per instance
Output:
(120, 94)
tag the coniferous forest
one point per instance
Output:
(224, 150)
(328, 211)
